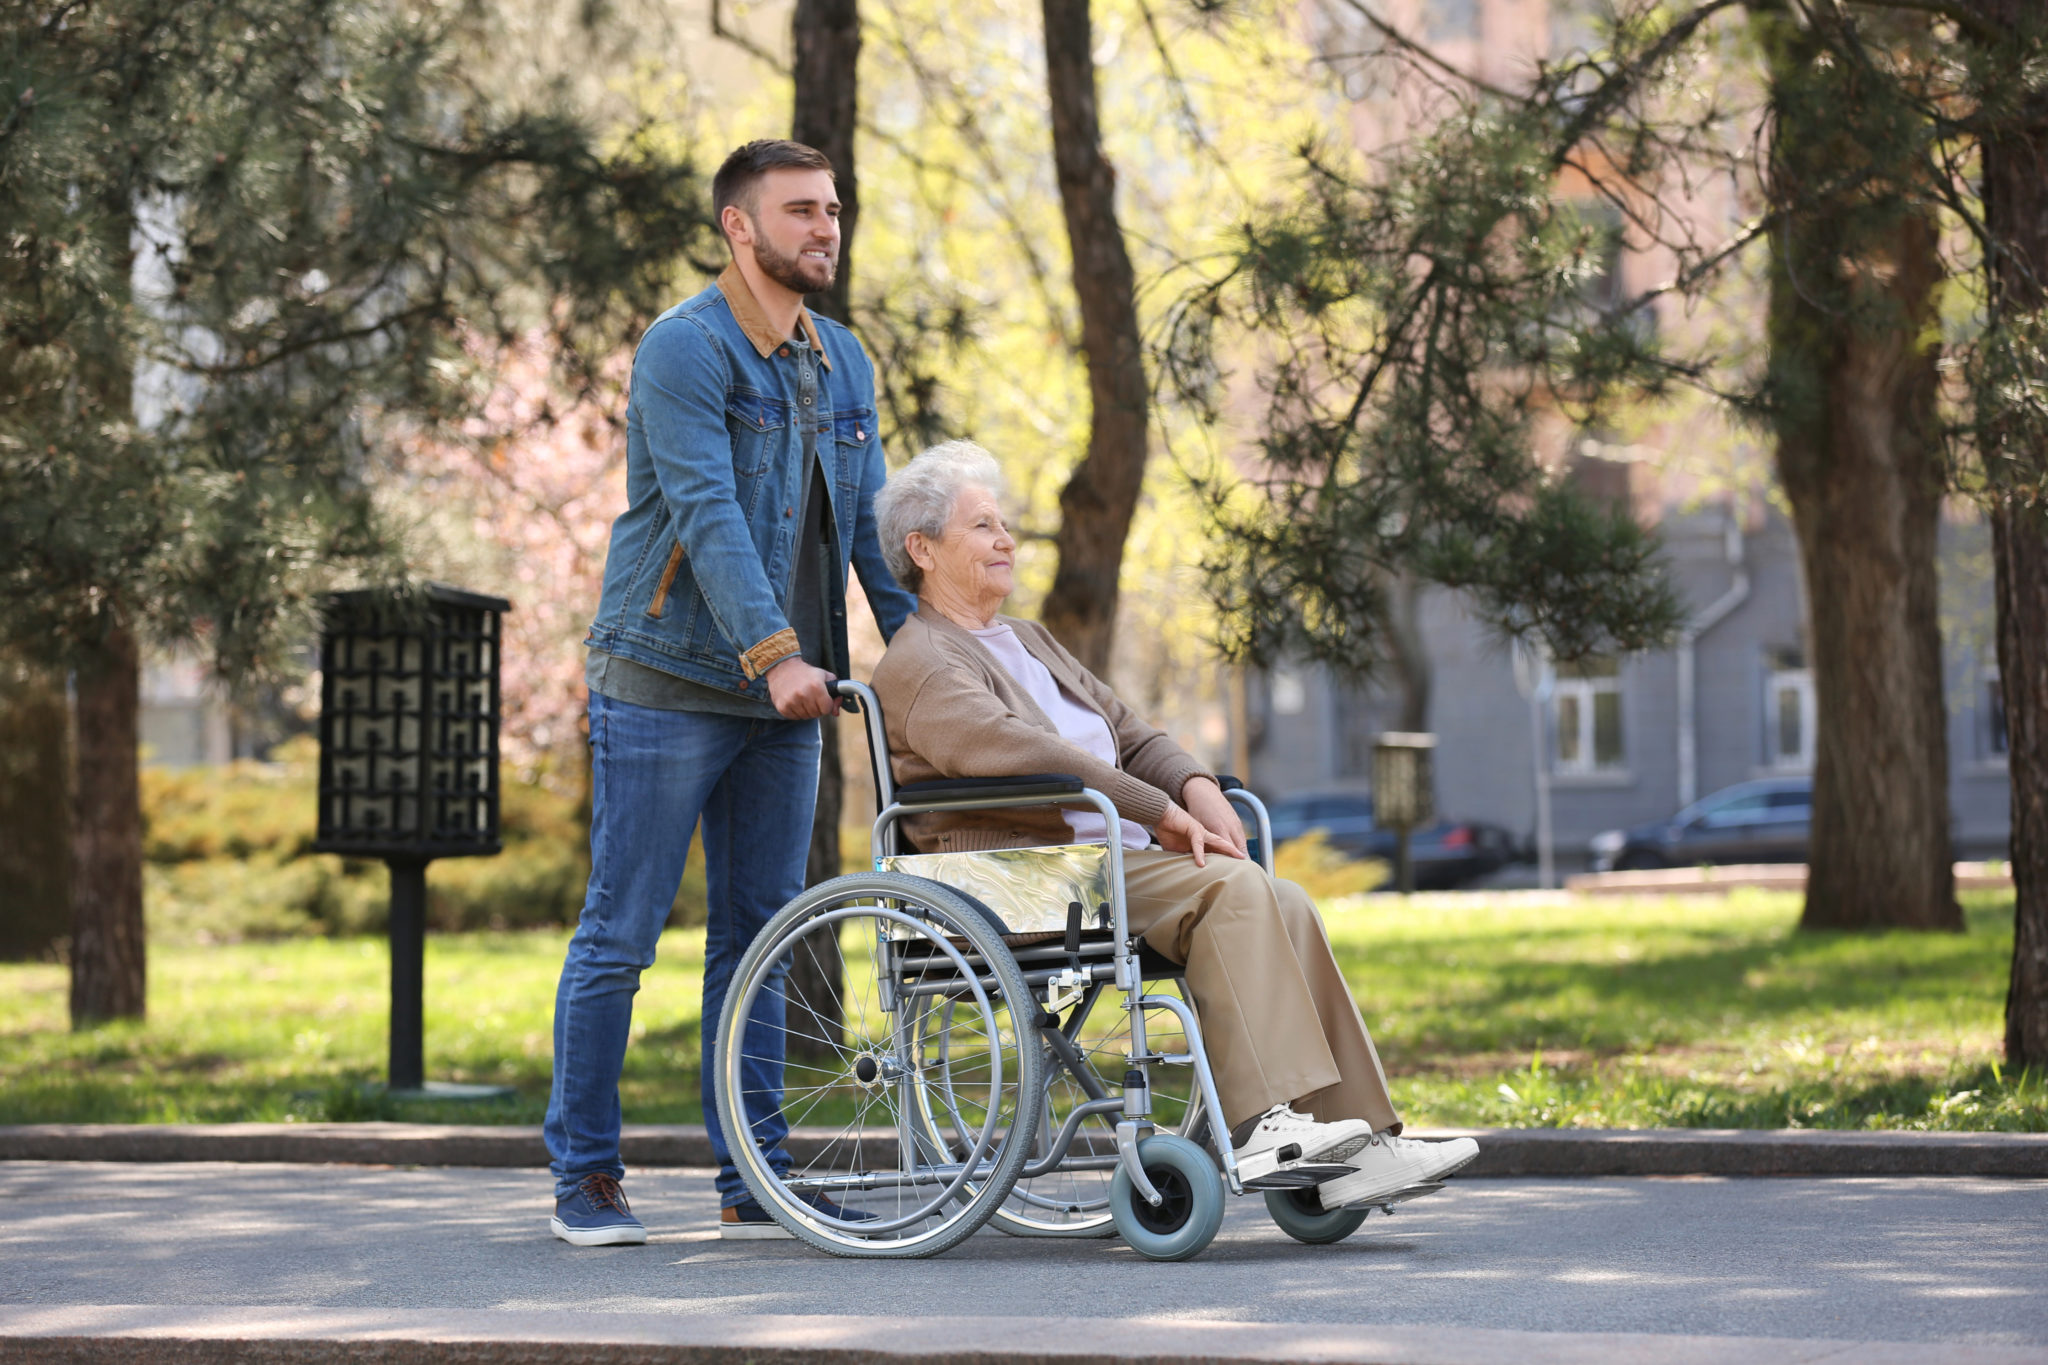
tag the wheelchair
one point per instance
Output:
(986, 1049)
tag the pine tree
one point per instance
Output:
(244, 240)
(1427, 294)
(1415, 317)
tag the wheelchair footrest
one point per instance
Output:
(1300, 1176)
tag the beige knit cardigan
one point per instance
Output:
(953, 711)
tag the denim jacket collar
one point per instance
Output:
(746, 311)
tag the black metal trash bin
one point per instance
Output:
(409, 712)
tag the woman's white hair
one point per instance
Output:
(920, 497)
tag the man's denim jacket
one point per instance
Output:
(697, 579)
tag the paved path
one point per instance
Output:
(1954, 1260)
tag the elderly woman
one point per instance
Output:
(967, 692)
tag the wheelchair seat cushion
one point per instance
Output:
(1027, 889)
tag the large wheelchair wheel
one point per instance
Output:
(1085, 1062)
(905, 948)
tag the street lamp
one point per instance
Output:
(409, 765)
(1535, 679)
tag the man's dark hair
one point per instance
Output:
(739, 180)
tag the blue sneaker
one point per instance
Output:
(597, 1216)
(748, 1221)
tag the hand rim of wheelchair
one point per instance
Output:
(1095, 1219)
(860, 895)
(782, 943)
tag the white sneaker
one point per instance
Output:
(1388, 1165)
(1284, 1138)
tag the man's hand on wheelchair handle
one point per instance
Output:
(1180, 832)
(801, 691)
(1211, 809)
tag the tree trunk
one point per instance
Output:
(2020, 549)
(1858, 453)
(107, 958)
(825, 36)
(35, 819)
(1102, 493)
(2015, 169)
(826, 42)
(1407, 651)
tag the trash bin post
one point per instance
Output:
(408, 972)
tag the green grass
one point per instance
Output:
(1685, 1012)
(1679, 1012)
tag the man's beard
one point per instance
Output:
(788, 271)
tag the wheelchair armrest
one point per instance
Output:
(1025, 785)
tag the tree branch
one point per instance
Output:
(1965, 17)
(745, 44)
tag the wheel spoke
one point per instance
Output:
(924, 954)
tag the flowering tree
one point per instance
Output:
(525, 492)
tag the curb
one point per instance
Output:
(120, 1335)
(1502, 1151)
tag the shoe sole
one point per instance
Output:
(1413, 1192)
(754, 1232)
(624, 1236)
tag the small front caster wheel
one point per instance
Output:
(1187, 1218)
(1301, 1215)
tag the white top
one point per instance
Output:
(1078, 724)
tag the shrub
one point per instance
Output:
(229, 856)
(1326, 873)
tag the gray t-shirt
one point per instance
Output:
(623, 680)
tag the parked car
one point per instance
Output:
(1765, 821)
(1446, 854)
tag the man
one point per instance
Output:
(751, 469)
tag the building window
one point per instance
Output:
(1288, 692)
(1991, 691)
(1788, 711)
(1586, 717)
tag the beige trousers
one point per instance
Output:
(1277, 1016)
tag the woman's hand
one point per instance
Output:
(1206, 802)
(1180, 832)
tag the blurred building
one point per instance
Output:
(1619, 746)
(188, 717)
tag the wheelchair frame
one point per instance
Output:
(971, 971)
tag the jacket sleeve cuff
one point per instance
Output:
(1172, 774)
(770, 652)
(1139, 801)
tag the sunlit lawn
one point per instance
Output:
(1681, 1012)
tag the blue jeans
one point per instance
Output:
(653, 774)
